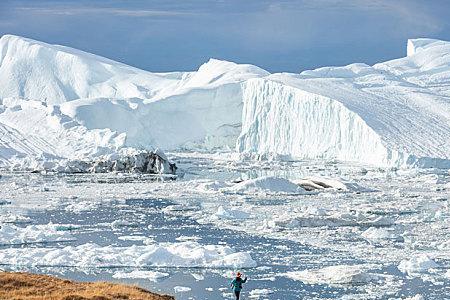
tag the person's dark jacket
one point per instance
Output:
(236, 284)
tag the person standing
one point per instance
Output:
(236, 284)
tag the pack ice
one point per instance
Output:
(58, 103)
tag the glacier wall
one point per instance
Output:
(284, 120)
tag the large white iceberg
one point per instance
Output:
(58, 102)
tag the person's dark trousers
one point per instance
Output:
(237, 294)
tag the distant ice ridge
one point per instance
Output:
(79, 105)
(183, 254)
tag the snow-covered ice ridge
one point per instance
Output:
(58, 102)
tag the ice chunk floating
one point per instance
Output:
(14, 235)
(342, 274)
(81, 106)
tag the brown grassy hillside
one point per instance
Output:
(26, 286)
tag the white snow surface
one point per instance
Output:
(185, 254)
(61, 103)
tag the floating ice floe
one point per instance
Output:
(331, 219)
(374, 233)
(181, 289)
(140, 274)
(231, 214)
(122, 223)
(265, 185)
(211, 186)
(185, 238)
(341, 274)
(81, 206)
(258, 293)
(198, 277)
(14, 235)
(417, 264)
(323, 183)
(185, 254)
(14, 218)
(415, 297)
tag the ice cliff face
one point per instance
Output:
(354, 113)
(63, 103)
(280, 119)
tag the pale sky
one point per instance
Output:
(289, 35)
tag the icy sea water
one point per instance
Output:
(265, 251)
(166, 211)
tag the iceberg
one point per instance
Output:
(171, 255)
(59, 103)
